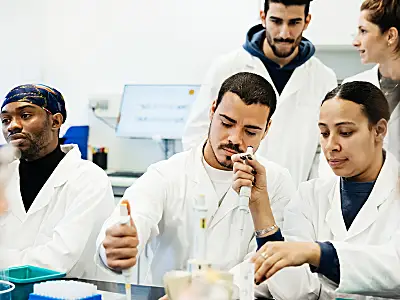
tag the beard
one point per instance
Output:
(282, 54)
(36, 142)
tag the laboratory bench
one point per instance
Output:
(108, 290)
(121, 180)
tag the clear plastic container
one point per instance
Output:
(6, 289)
(4, 274)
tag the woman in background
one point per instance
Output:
(378, 42)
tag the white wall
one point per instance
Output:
(20, 32)
(333, 22)
(22, 40)
(102, 45)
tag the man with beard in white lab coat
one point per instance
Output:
(276, 50)
(162, 199)
(56, 201)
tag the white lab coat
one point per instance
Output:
(162, 209)
(369, 252)
(60, 228)
(293, 138)
(392, 140)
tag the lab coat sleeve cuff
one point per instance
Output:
(329, 263)
(276, 237)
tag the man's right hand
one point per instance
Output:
(121, 244)
(3, 206)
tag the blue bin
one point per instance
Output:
(38, 297)
(78, 135)
(31, 274)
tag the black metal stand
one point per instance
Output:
(169, 148)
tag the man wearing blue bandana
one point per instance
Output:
(56, 201)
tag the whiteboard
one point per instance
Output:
(155, 111)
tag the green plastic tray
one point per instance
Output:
(31, 274)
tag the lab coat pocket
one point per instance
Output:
(7, 232)
(236, 239)
(51, 216)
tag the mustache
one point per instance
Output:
(234, 147)
(18, 134)
(291, 41)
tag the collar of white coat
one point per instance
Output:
(370, 76)
(62, 172)
(198, 167)
(296, 81)
(384, 186)
(385, 183)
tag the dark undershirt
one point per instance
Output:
(34, 174)
(353, 197)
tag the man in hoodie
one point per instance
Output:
(276, 50)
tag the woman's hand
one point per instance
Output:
(275, 256)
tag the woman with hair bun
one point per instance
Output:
(378, 42)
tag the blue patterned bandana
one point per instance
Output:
(46, 97)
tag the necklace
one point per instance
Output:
(392, 90)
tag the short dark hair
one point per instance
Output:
(371, 99)
(289, 3)
(251, 88)
(385, 14)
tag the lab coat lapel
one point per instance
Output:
(295, 82)
(373, 76)
(203, 185)
(256, 64)
(334, 217)
(13, 193)
(384, 186)
(395, 117)
(230, 203)
(59, 176)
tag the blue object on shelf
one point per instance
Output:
(31, 274)
(78, 135)
(38, 297)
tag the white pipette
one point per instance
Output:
(125, 219)
(201, 210)
(244, 198)
(199, 261)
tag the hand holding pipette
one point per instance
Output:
(125, 219)
(249, 179)
(248, 172)
(121, 243)
(244, 178)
